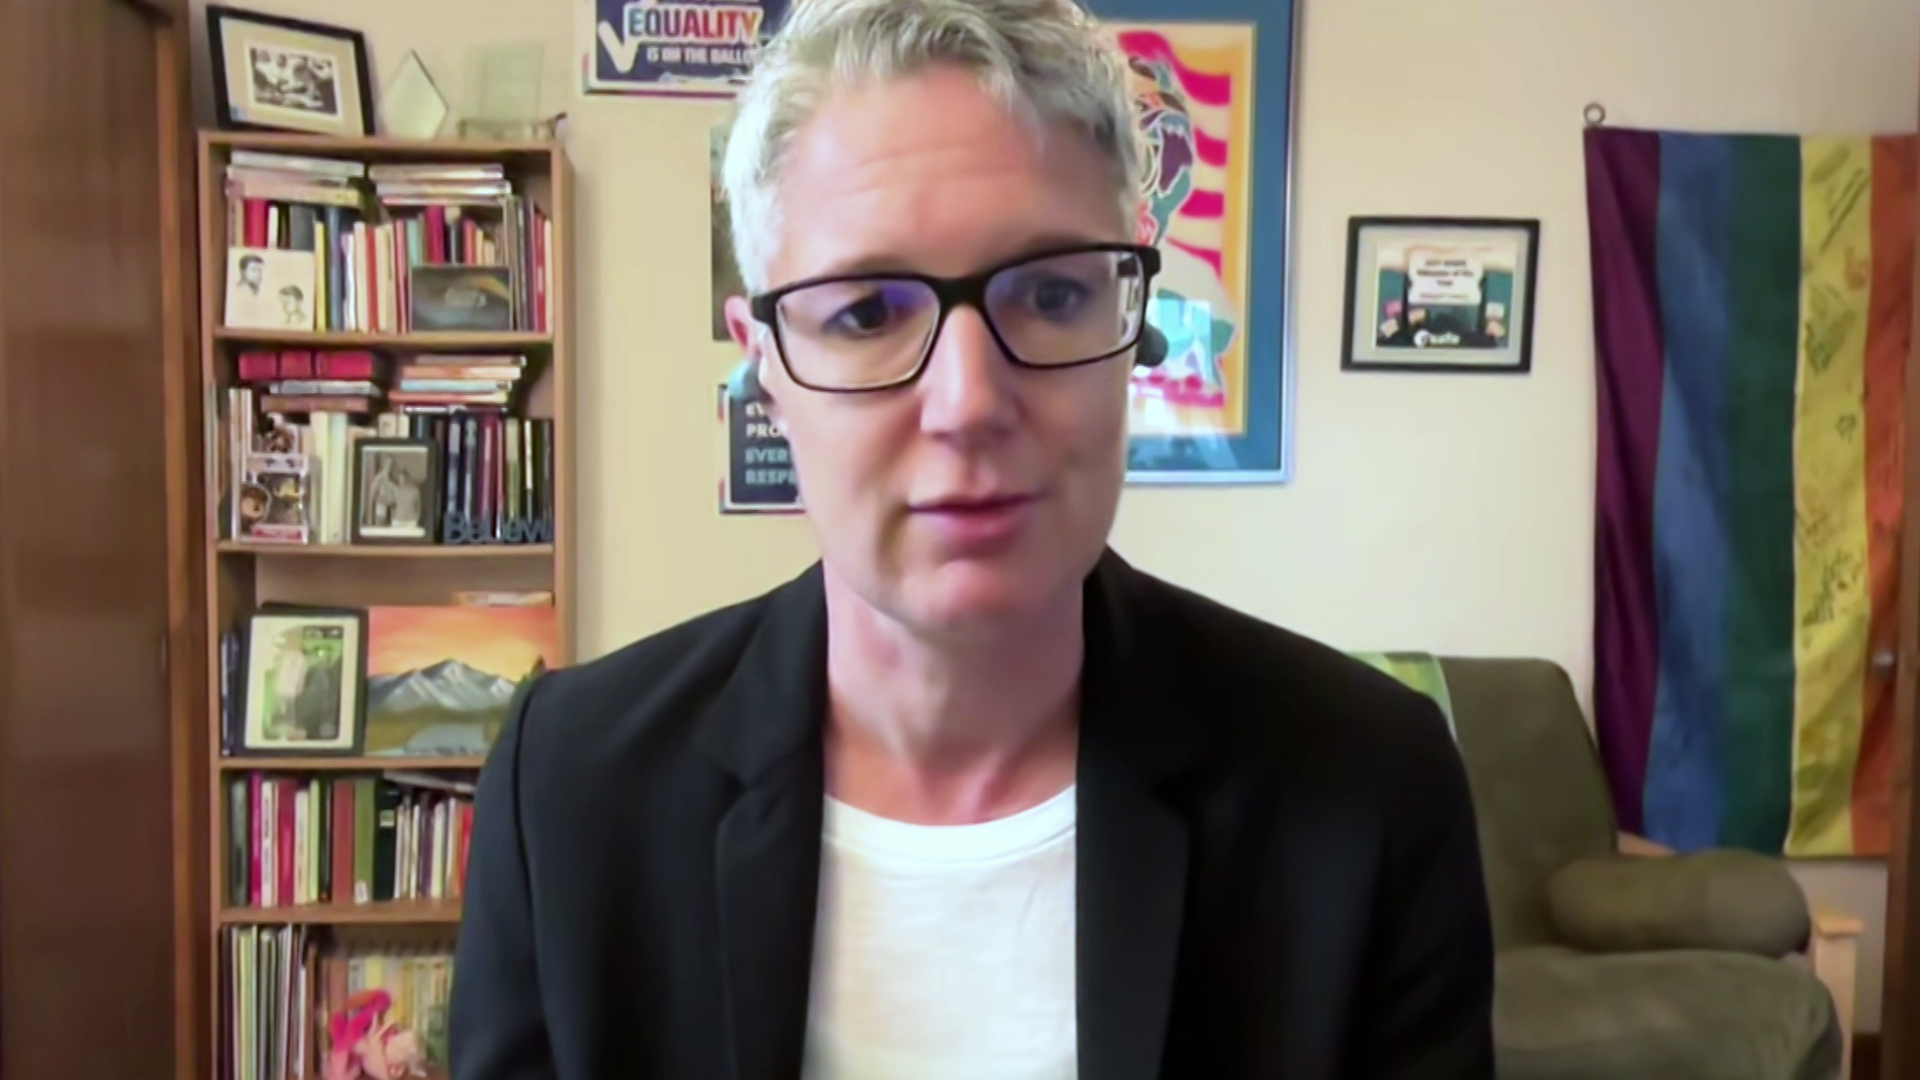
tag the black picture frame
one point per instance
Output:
(225, 113)
(1515, 357)
(250, 740)
(428, 527)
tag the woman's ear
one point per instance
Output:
(745, 383)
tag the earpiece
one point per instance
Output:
(1152, 350)
(744, 384)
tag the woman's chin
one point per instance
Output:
(962, 596)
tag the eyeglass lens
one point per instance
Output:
(1049, 312)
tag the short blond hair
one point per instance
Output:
(1046, 60)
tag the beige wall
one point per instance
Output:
(1451, 514)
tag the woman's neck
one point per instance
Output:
(946, 732)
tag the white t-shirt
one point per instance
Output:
(945, 952)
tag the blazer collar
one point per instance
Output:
(775, 701)
(765, 729)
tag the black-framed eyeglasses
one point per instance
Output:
(1057, 309)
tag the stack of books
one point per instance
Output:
(300, 381)
(450, 382)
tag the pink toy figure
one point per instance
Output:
(364, 1045)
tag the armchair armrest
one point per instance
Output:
(1732, 901)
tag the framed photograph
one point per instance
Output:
(1441, 294)
(395, 491)
(464, 298)
(270, 289)
(277, 74)
(305, 672)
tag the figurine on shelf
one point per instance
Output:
(365, 1045)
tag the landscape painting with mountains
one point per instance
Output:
(440, 679)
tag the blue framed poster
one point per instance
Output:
(673, 48)
(1214, 91)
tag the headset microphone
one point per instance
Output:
(1152, 350)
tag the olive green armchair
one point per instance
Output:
(1616, 960)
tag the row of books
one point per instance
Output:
(351, 381)
(299, 840)
(369, 228)
(284, 986)
(293, 468)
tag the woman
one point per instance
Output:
(972, 797)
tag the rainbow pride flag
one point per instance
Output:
(1752, 307)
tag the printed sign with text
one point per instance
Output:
(674, 48)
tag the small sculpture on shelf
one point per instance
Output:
(365, 1045)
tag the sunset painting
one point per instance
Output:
(440, 679)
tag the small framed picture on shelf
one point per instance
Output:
(278, 74)
(305, 672)
(1440, 294)
(469, 298)
(395, 486)
(270, 289)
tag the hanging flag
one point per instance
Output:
(1753, 309)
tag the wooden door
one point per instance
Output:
(95, 944)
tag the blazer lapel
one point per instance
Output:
(767, 858)
(766, 730)
(1132, 854)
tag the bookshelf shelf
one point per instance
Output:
(381, 149)
(388, 551)
(500, 465)
(350, 764)
(389, 913)
(418, 341)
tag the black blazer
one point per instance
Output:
(1278, 875)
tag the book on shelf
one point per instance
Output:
(298, 840)
(284, 986)
(371, 227)
(288, 432)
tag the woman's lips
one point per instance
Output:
(976, 525)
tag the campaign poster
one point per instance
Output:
(1193, 87)
(674, 48)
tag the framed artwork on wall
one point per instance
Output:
(1213, 82)
(277, 74)
(1440, 294)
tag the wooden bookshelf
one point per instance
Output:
(387, 551)
(419, 342)
(390, 913)
(241, 576)
(350, 764)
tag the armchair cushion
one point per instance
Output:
(1565, 1015)
(1734, 901)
